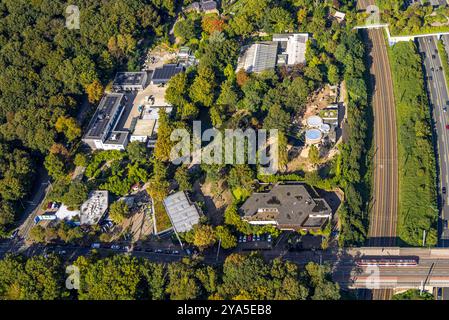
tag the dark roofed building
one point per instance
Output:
(209, 6)
(289, 207)
(130, 81)
(101, 133)
(164, 74)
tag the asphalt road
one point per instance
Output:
(439, 99)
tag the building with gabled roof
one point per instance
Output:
(288, 206)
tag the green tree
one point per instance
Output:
(202, 90)
(164, 144)
(76, 194)
(119, 211)
(228, 240)
(203, 236)
(137, 151)
(182, 177)
(55, 166)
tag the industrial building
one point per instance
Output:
(293, 46)
(289, 207)
(285, 49)
(102, 132)
(130, 81)
(145, 127)
(183, 214)
(165, 73)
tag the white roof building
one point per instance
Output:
(294, 45)
(95, 207)
(182, 213)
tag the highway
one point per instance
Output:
(384, 206)
(439, 98)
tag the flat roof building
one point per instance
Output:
(130, 81)
(102, 132)
(145, 128)
(94, 208)
(289, 207)
(293, 45)
(165, 73)
(259, 57)
(285, 49)
(182, 213)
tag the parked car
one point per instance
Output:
(443, 190)
(95, 246)
(148, 250)
(158, 251)
(269, 238)
(257, 238)
(137, 249)
(127, 248)
(115, 247)
(62, 252)
(240, 239)
(249, 238)
(244, 239)
(175, 252)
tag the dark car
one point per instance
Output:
(148, 250)
(444, 190)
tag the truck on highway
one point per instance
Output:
(95, 246)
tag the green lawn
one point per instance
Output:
(417, 168)
(162, 220)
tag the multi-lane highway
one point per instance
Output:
(439, 99)
(383, 215)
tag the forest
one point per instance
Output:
(48, 70)
(122, 277)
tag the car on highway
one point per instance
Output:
(14, 234)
